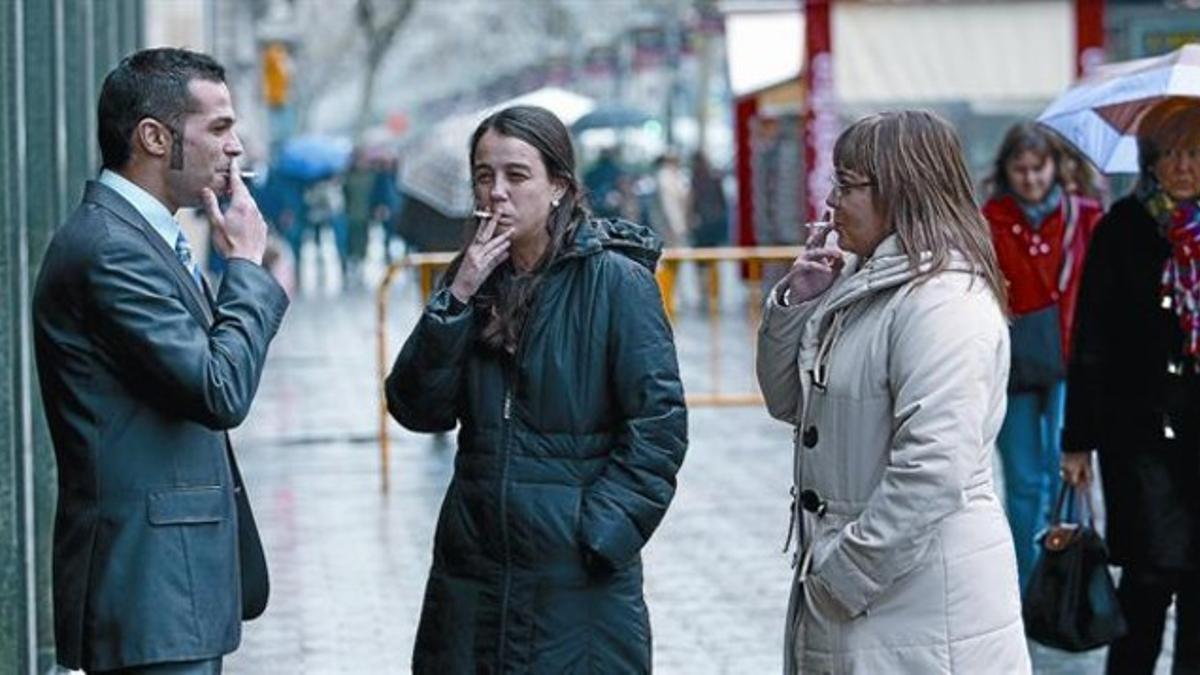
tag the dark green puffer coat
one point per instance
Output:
(566, 463)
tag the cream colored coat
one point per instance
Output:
(911, 568)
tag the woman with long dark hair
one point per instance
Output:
(1133, 390)
(548, 347)
(1041, 233)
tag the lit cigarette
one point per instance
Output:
(482, 214)
(819, 227)
(248, 175)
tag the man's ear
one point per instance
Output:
(153, 137)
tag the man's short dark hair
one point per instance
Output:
(150, 83)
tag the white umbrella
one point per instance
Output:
(1100, 115)
(435, 168)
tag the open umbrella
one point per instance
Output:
(1100, 115)
(313, 158)
(611, 116)
(434, 166)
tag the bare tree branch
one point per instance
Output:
(380, 32)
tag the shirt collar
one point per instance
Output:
(147, 205)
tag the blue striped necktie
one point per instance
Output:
(183, 250)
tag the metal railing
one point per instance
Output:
(427, 265)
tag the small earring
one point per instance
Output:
(554, 203)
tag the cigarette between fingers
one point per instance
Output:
(482, 214)
(248, 175)
(818, 228)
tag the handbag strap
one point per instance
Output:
(1057, 517)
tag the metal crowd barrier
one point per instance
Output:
(753, 258)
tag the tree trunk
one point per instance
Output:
(365, 102)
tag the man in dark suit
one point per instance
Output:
(143, 368)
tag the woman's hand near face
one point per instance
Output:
(484, 255)
(814, 271)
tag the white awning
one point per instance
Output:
(928, 51)
(763, 48)
(952, 51)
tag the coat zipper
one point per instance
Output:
(507, 584)
(506, 415)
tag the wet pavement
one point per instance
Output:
(349, 563)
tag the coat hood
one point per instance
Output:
(634, 241)
(887, 269)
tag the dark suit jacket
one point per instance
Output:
(141, 377)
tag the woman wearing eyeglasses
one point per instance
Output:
(889, 355)
(1133, 390)
(1040, 233)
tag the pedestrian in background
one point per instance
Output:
(326, 211)
(671, 207)
(387, 202)
(606, 196)
(357, 187)
(143, 370)
(1041, 233)
(889, 355)
(548, 346)
(708, 221)
(1133, 392)
(708, 211)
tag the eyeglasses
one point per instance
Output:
(840, 188)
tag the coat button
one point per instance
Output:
(810, 437)
(811, 501)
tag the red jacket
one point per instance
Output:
(1033, 278)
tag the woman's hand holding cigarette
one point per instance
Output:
(485, 253)
(814, 271)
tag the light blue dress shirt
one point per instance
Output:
(146, 204)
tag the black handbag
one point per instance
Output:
(1071, 602)
(1036, 343)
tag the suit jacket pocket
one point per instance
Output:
(188, 505)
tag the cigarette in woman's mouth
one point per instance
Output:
(819, 228)
(482, 214)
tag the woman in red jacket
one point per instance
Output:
(1041, 233)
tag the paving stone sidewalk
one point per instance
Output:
(349, 563)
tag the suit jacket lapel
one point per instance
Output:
(104, 196)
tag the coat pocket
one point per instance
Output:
(188, 505)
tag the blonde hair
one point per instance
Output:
(914, 160)
(1173, 123)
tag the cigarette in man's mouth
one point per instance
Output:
(482, 214)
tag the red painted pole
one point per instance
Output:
(820, 106)
(744, 111)
(1089, 36)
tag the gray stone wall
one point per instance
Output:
(53, 56)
